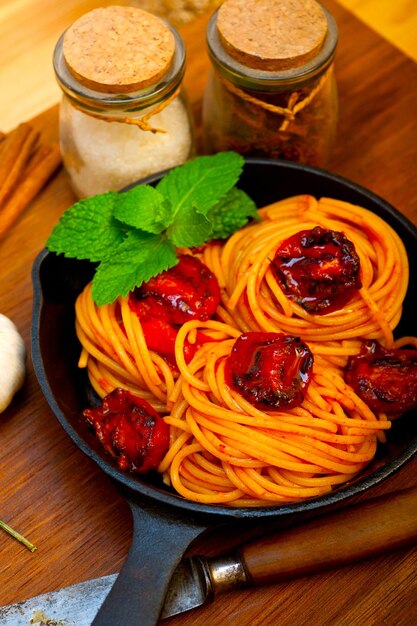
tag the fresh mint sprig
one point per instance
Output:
(134, 235)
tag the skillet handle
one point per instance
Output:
(350, 534)
(159, 540)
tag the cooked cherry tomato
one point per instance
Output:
(270, 370)
(318, 269)
(130, 430)
(385, 379)
(185, 292)
(160, 337)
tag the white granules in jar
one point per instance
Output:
(101, 156)
(120, 70)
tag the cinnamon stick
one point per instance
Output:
(30, 184)
(15, 153)
(37, 156)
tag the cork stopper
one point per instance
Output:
(272, 35)
(118, 49)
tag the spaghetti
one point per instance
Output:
(254, 300)
(224, 450)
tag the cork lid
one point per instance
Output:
(272, 35)
(118, 49)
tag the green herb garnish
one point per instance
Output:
(134, 235)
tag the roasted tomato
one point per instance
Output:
(385, 379)
(130, 430)
(270, 370)
(160, 337)
(185, 292)
(318, 269)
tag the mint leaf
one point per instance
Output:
(231, 213)
(144, 207)
(201, 182)
(134, 234)
(189, 229)
(141, 256)
(88, 229)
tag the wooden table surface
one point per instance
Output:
(59, 499)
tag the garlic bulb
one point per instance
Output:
(12, 361)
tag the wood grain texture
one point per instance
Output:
(57, 497)
(396, 21)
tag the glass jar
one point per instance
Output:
(123, 114)
(271, 91)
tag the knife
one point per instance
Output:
(351, 534)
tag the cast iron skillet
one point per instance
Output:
(164, 523)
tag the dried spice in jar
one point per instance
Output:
(271, 91)
(123, 115)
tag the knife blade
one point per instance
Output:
(367, 529)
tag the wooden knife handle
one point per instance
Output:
(352, 534)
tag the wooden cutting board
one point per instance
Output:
(56, 496)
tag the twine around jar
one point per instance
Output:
(140, 122)
(293, 107)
